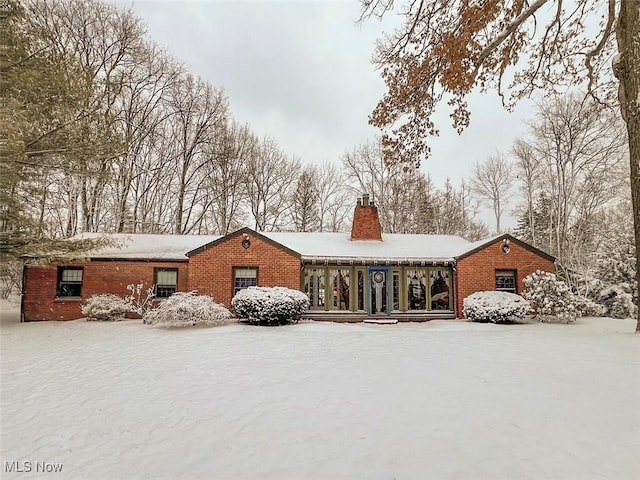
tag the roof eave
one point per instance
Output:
(353, 260)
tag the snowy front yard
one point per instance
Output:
(445, 399)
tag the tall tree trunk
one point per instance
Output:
(627, 70)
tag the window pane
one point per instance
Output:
(165, 291)
(244, 278)
(396, 290)
(167, 277)
(71, 290)
(417, 289)
(340, 288)
(246, 272)
(72, 275)
(360, 290)
(440, 288)
(70, 283)
(314, 287)
(506, 280)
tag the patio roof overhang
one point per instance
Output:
(414, 261)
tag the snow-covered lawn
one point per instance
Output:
(444, 399)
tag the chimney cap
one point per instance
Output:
(365, 199)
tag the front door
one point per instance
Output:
(378, 290)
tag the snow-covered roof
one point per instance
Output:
(146, 246)
(311, 246)
(394, 247)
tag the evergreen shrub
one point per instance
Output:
(269, 305)
(495, 307)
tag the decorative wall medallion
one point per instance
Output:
(246, 243)
(378, 277)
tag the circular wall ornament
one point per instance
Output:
(246, 243)
(506, 248)
(378, 277)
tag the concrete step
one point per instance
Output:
(381, 321)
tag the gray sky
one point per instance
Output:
(300, 72)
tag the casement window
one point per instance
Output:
(506, 281)
(69, 282)
(243, 278)
(440, 288)
(314, 287)
(166, 282)
(395, 290)
(416, 279)
(340, 283)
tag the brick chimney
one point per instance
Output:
(366, 224)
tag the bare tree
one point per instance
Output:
(580, 144)
(334, 197)
(93, 43)
(140, 111)
(445, 50)
(389, 185)
(528, 174)
(491, 181)
(234, 147)
(198, 110)
(268, 184)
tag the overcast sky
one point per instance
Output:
(300, 71)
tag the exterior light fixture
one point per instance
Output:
(505, 245)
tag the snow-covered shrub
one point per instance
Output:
(550, 297)
(269, 305)
(140, 300)
(183, 309)
(496, 307)
(617, 302)
(587, 307)
(105, 307)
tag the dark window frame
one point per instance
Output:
(506, 274)
(235, 288)
(164, 290)
(69, 288)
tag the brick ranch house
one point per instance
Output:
(347, 277)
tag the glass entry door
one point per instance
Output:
(378, 290)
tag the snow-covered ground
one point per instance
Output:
(444, 399)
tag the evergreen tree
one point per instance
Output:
(51, 125)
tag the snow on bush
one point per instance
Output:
(496, 307)
(269, 305)
(617, 302)
(183, 309)
(550, 297)
(140, 300)
(587, 307)
(105, 307)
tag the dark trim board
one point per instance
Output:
(248, 231)
(511, 238)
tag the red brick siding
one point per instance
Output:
(366, 223)
(211, 270)
(40, 284)
(476, 272)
